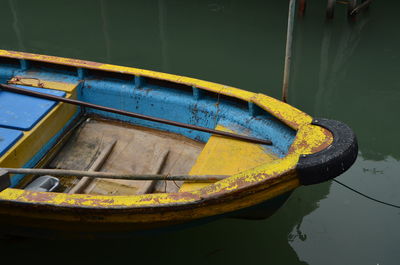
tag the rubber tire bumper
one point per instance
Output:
(333, 160)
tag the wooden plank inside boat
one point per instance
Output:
(96, 165)
(137, 150)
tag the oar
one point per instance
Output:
(108, 175)
(132, 114)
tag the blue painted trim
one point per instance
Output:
(182, 105)
(7, 72)
(254, 110)
(139, 81)
(197, 93)
(24, 64)
(81, 72)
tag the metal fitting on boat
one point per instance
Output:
(43, 183)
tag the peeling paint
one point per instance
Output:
(259, 183)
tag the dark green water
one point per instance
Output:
(343, 71)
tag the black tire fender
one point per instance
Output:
(333, 160)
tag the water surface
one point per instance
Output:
(343, 71)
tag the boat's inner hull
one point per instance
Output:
(257, 177)
(135, 145)
(136, 150)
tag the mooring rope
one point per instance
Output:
(366, 196)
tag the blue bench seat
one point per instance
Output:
(8, 138)
(20, 113)
(24, 112)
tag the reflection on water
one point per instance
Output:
(104, 25)
(354, 229)
(337, 48)
(16, 26)
(213, 40)
(340, 71)
(355, 79)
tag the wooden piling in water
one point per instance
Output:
(288, 53)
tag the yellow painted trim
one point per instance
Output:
(268, 177)
(186, 214)
(286, 113)
(311, 139)
(274, 188)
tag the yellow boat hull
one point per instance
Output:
(258, 177)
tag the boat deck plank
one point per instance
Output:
(137, 150)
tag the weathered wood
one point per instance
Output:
(53, 152)
(4, 179)
(364, 4)
(85, 181)
(288, 52)
(159, 158)
(79, 153)
(63, 172)
(134, 153)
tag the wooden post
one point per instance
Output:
(288, 55)
(302, 7)
(330, 9)
(364, 4)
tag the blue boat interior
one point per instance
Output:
(184, 104)
(144, 95)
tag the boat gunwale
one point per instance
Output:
(199, 208)
(304, 143)
(292, 117)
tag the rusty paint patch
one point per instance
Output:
(184, 195)
(50, 59)
(37, 196)
(260, 180)
(302, 143)
(88, 201)
(289, 115)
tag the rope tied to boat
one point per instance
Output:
(366, 196)
(21, 78)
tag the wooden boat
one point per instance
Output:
(42, 134)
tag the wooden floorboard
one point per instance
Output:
(137, 150)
